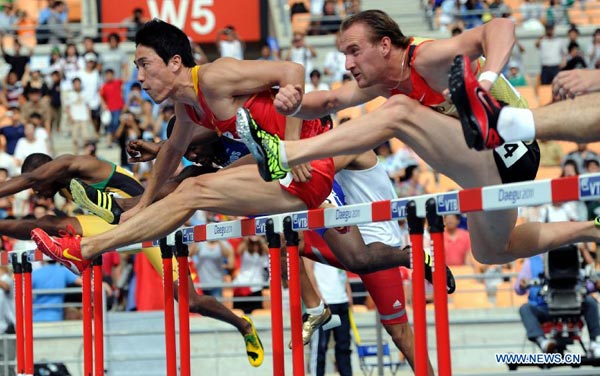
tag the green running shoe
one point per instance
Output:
(597, 222)
(263, 146)
(99, 203)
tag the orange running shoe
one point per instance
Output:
(66, 249)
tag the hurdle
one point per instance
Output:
(491, 198)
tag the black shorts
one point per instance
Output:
(517, 161)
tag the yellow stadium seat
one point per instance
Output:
(507, 297)
(374, 104)
(578, 16)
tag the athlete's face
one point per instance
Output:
(364, 60)
(45, 190)
(155, 76)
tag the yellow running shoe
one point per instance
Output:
(99, 203)
(254, 347)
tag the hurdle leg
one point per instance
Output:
(170, 349)
(440, 294)
(20, 342)
(274, 242)
(416, 229)
(184, 306)
(88, 356)
(27, 314)
(98, 317)
(292, 241)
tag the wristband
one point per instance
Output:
(296, 112)
(488, 76)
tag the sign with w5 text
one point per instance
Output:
(199, 19)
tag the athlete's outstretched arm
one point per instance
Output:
(167, 160)
(494, 40)
(229, 77)
(59, 168)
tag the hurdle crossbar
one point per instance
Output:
(584, 187)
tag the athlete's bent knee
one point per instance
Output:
(359, 263)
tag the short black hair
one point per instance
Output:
(114, 36)
(588, 162)
(34, 161)
(315, 72)
(166, 40)
(109, 70)
(35, 115)
(572, 46)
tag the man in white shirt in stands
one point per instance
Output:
(232, 45)
(334, 66)
(78, 113)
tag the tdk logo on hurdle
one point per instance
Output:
(261, 225)
(399, 209)
(589, 187)
(299, 221)
(447, 203)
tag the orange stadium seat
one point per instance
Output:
(351, 112)
(336, 85)
(32, 8)
(548, 172)
(470, 298)
(593, 12)
(74, 7)
(374, 104)
(301, 22)
(567, 146)
(462, 270)
(578, 17)
(594, 146)
(506, 296)
(528, 93)
(544, 95)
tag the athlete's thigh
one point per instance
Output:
(439, 140)
(348, 247)
(239, 191)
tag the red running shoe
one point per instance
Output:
(66, 249)
(477, 109)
